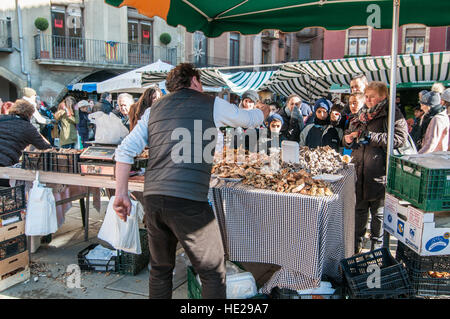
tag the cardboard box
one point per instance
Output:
(427, 233)
(13, 263)
(12, 226)
(14, 279)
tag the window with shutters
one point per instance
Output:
(67, 32)
(414, 40)
(234, 48)
(358, 42)
(139, 38)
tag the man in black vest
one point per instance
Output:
(177, 178)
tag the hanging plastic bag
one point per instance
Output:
(119, 234)
(109, 129)
(41, 210)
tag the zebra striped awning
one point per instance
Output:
(312, 79)
(238, 82)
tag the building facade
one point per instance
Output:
(267, 47)
(85, 39)
(366, 41)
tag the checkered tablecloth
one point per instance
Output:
(306, 235)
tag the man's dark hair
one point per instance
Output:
(104, 95)
(181, 76)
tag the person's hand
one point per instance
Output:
(265, 108)
(122, 206)
(350, 137)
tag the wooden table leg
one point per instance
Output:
(83, 210)
(86, 216)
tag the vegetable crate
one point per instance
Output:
(195, 289)
(14, 270)
(425, 188)
(132, 264)
(429, 275)
(12, 199)
(37, 161)
(12, 225)
(13, 246)
(393, 281)
(63, 163)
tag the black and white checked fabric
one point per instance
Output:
(306, 235)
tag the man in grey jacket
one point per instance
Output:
(177, 178)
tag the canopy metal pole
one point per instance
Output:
(392, 95)
(393, 81)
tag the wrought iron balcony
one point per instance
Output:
(53, 49)
(5, 35)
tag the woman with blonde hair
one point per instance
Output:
(68, 117)
(367, 136)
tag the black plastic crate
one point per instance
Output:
(63, 162)
(429, 275)
(13, 246)
(132, 264)
(96, 265)
(37, 161)
(12, 199)
(394, 281)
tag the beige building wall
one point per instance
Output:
(101, 22)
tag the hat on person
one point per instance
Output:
(323, 103)
(431, 99)
(446, 95)
(252, 95)
(275, 117)
(83, 103)
(29, 92)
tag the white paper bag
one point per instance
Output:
(119, 234)
(41, 210)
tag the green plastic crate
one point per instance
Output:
(425, 188)
(132, 264)
(195, 290)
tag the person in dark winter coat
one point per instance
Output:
(367, 136)
(16, 133)
(292, 118)
(321, 132)
(83, 123)
(104, 104)
(416, 132)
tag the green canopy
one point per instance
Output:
(252, 16)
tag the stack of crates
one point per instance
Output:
(417, 213)
(14, 257)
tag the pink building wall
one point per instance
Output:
(334, 42)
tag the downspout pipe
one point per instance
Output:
(21, 45)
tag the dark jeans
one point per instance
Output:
(362, 209)
(171, 219)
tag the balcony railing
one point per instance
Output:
(5, 35)
(98, 52)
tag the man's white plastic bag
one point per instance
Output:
(109, 129)
(119, 234)
(41, 211)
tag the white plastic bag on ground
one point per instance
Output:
(41, 211)
(119, 234)
(109, 129)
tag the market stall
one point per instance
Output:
(306, 235)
